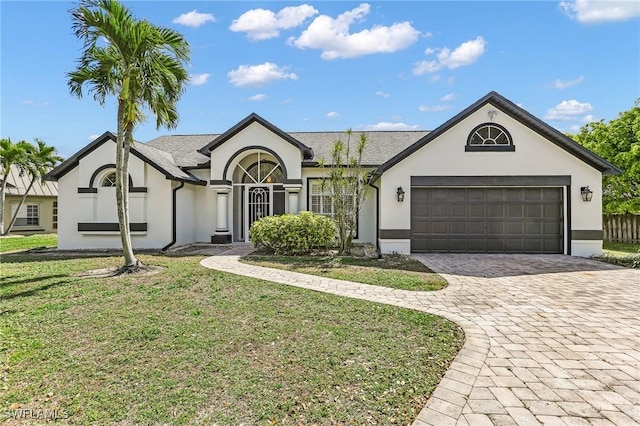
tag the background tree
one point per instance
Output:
(345, 180)
(39, 159)
(617, 141)
(139, 63)
(11, 154)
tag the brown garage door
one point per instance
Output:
(486, 220)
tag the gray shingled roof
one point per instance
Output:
(381, 145)
(183, 148)
(17, 185)
(164, 161)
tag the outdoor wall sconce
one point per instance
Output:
(400, 194)
(586, 193)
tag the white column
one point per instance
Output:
(222, 222)
(294, 202)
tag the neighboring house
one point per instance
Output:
(492, 179)
(39, 213)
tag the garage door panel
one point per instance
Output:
(492, 220)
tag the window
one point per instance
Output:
(55, 215)
(109, 180)
(320, 201)
(28, 215)
(263, 172)
(489, 137)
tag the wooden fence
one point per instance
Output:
(621, 228)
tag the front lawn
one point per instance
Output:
(399, 272)
(195, 346)
(620, 249)
(22, 242)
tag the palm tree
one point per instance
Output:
(39, 160)
(139, 63)
(10, 154)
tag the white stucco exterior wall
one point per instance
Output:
(152, 207)
(533, 156)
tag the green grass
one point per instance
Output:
(20, 242)
(621, 249)
(195, 346)
(399, 272)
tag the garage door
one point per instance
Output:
(486, 220)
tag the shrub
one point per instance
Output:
(293, 234)
(631, 261)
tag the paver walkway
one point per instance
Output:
(550, 339)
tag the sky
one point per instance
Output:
(333, 65)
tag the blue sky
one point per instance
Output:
(319, 65)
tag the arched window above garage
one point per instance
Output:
(489, 137)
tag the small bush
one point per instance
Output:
(293, 234)
(631, 261)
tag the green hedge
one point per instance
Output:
(294, 234)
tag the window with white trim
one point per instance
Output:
(28, 215)
(55, 215)
(321, 200)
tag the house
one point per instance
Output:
(493, 178)
(39, 212)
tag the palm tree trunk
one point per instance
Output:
(24, 197)
(3, 189)
(122, 193)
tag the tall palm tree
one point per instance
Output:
(11, 154)
(143, 66)
(39, 160)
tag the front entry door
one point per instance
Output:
(258, 205)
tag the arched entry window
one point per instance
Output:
(264, 171)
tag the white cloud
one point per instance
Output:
(198, 79)
(258, 97)
(92, 138)
(383, 94)
(434, 108)
(33, 103)
(465, 54)
(384, 125)
(333, 114)
(563, 84)
(194, 19)
(568, 111)
(263, 24)
(259, 75)
(448, 97)
(331, 35)
(575, 128)
(589, 118)
(434, 78)
(598, 11)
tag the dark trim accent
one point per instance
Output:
(519, 114)
(206, 165)
(489, 148)
(307, 153)
(587, 234)
(490, 180)
(174, 216)
(138, 189)
(315, 165)
(292, 182)
(73, 161)
(220, 182)
(395, 234)
(221, 239)
(568, 231)
(309, 179)
(262, 148)
(112, 227)
(377, 234)
(87, 190)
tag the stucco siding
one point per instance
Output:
(185, 214)
(45, 214)
(533, 156)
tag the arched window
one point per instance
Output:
(263, 172)
(109, 180)
(489, 137)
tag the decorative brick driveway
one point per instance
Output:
(550, 339)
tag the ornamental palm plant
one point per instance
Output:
(139, 63)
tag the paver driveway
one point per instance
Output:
(550, 339)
